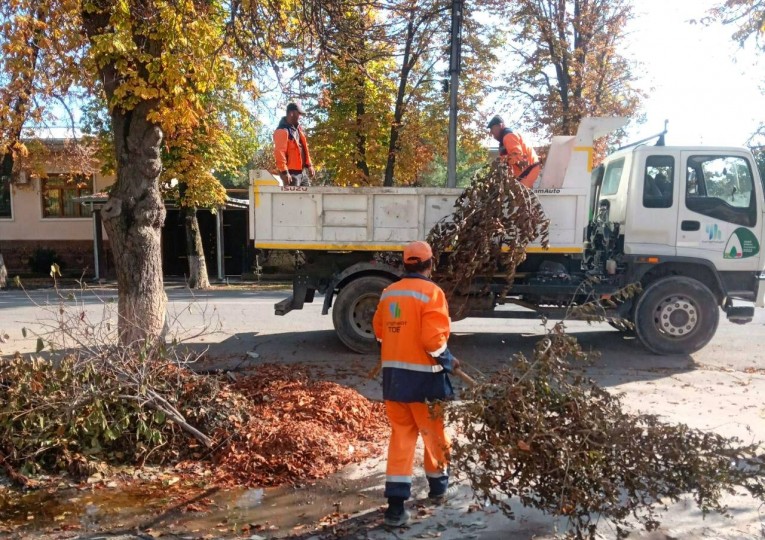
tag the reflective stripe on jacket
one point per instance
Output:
(521, 158)
(290, 148)
(412, 324)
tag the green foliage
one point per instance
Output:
(70, 414)
(468, 164)
(542, 433)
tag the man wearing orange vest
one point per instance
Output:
(291, 149)
(412, 325)
(521, 158)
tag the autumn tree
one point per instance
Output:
(354, 90)
(382, 114)
(40, 42)
(222, 143)
(568, 62)
(747, 17)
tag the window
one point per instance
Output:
(659, 181)
(721, 187)
(612, 177)
(5, 197)
(58, 192)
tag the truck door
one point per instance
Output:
(653, 204)
(719, 217)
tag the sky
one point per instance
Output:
(695, 76)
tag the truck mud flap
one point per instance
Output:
(301, 293)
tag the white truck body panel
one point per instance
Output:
(385, 219)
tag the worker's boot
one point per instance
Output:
(396, 515)
(440, 498)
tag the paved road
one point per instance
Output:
(718, 388)
(241, 321)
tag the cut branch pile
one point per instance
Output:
(494, 221)
(94, 401)
(542, 434)
(272, 427)
(298, 429)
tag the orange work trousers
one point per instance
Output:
(408, 421)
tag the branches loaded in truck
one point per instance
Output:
(686, 223)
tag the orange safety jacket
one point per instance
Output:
(290, 148)
(412, 325)
(515, 150)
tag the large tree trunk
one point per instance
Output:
(195, 251)
(135, 213)
(133, 217)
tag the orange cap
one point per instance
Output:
(418, 251)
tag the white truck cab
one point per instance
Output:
(688, 223)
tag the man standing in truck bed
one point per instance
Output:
(521, 158)
(412, 325)
(291, 149)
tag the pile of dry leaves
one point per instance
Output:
(298, 429)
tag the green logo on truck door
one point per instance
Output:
(741, 244)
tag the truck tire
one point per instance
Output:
(354, 309)
(676, 315)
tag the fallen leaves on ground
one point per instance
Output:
(298, 429)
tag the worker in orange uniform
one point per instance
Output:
(291, 149)
(521, 158)
(412, 325)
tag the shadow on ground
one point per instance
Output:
(621, 359)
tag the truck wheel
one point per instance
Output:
(353, 312)
(676, 315)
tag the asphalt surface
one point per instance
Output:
(718, 388)
(234, 322)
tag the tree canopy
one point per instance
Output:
(571, 64)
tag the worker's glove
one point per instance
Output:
(448, 361)
(455, 364)
(286, 178)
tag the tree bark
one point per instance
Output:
(398, 115)
(135, 213)
(195, 251)
(361, 138)
(133, 217)
(3, 273)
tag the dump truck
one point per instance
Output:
(684, 222)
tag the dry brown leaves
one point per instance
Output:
(494, 221)
(298, 429)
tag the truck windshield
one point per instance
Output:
(612, 177)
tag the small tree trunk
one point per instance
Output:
(133, 217)
(195, 251)
(407, 64)
(3, 273)
(361, 138)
